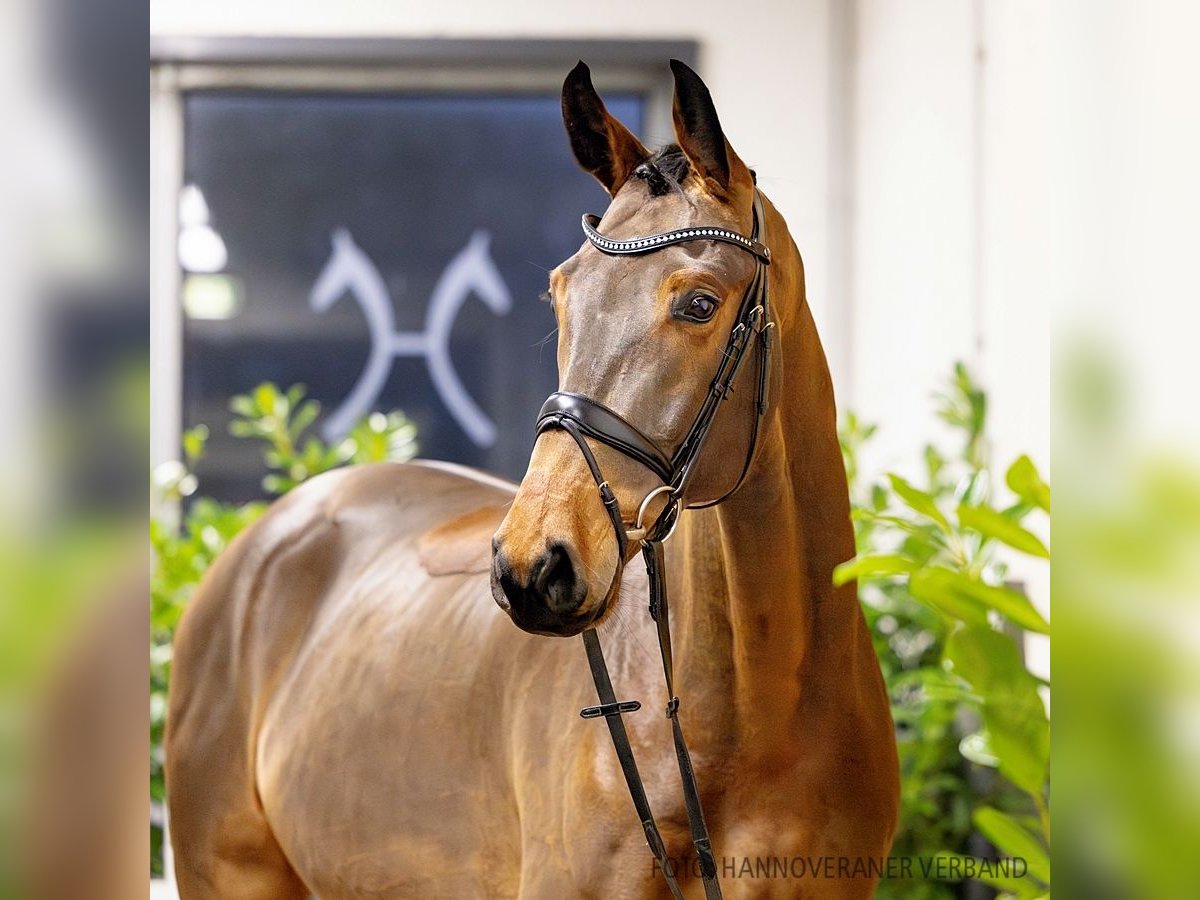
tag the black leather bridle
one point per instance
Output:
(581, 417)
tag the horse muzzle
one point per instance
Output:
(547, 596)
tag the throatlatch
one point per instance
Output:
(582, 418)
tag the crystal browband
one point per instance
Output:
(657, 241)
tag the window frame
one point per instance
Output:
(183, 64)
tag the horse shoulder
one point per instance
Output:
(256, 600)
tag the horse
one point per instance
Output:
(351, 715)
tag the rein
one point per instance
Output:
(581, 417)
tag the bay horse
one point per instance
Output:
(351, 715)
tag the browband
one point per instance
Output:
(658, 241)
(602, 424)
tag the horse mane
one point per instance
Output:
(664, 171)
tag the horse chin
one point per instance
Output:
(542, 622)
(553, 627)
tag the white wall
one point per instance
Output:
(950, 227)
(913, 218)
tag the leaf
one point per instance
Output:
(194, 440)
(245, 428)
(268, 400)
(296, 393)
(922, 546)
(1019, 735)
(975, 398)
(1023, 480)
(1018, 731)
(1018, 510)
(935, 462)
(277, 484)
(305, 414)
(983, 657)
(1009, 837)
(918, 500)
(1013, 605)
(243, 405)
(880, 565)
(937, 587)
(1000, 527)
(978, 749)
(312, 457)
(974, 488)
(866, 515)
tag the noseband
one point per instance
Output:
(582, 417)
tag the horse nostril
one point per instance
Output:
(547, 599)
(556, 581)
(505, 589)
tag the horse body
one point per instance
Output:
(344, 723)
(352, 716)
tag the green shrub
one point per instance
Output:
(945, 622)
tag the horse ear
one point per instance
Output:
(698, 133)
(602, 145)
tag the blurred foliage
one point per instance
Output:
(184, 549)
(945, 623)
(1128, 567)
(55, 583)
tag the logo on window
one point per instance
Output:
(471, 272)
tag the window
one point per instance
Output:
(382, 241)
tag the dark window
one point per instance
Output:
(397, 193)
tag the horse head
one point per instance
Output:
(642, 335)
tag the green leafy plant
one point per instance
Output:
(185, 547)
(281, 419)
(945, 621)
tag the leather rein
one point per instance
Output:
(581, 417)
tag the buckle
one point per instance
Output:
(708, 865)
(654, 839)
(672, 707)
(610, 709)
(669, 516)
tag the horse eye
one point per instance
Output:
(699, 308)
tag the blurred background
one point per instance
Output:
(352, 211)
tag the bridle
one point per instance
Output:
(582, 417)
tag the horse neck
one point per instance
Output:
(757, 613)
